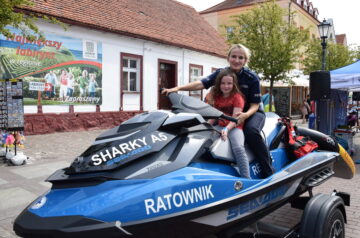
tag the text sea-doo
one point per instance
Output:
(168, 174)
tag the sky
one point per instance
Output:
(342, 12)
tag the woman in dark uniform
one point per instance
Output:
(253, 116)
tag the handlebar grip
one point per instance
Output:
(229, 118)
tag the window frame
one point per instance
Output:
(139, 77)
(202, 74)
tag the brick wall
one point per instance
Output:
(44, 123)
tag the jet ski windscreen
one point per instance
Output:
(183, 103)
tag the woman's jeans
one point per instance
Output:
(252, 130)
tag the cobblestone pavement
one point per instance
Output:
(20, 185)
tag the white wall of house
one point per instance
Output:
(112, 46)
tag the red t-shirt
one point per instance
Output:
(226, 105)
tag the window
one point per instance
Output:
(195, 71)
(130, 74)
(229, 32)
(311, 10)
(305, 6)
(131, 86)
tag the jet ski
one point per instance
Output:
(168, 174)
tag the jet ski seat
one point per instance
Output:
(271, 133)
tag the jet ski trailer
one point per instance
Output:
(168, 174)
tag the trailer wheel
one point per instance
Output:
(324, 217)
(335, 227)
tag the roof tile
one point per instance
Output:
(228, 4)
(164, 21)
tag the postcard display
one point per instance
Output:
(11, 113)
(12, 110)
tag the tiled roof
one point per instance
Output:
(164, 21)
(228, 4)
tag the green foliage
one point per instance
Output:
(11, 16)
(355, 52)
(274, 40)
(336, 56)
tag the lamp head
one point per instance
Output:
(324, 28)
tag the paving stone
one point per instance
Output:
(3, 181)
(4, 233)
(13, 197)
(40, 170)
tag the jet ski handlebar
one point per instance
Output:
(229, 118)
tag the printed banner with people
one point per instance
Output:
(55, 70)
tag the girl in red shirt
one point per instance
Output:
(226, 97)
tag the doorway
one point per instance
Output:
(167, 79)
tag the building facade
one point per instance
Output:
(137, 49)
(220, 15)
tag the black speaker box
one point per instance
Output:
(356, 96)
(320, 85)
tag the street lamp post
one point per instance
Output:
(324, 27)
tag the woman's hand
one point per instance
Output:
(224, 133)
(241, 117)
(166, 91)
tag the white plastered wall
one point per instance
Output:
(112, 46)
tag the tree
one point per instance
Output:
(274, 40)
(356, 52)
(336, 56)
(11, 16)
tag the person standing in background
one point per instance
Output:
(266, 101)
(305, 109)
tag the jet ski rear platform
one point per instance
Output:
(166, 174)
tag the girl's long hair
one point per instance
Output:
(216, 91)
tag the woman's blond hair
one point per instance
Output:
(242, 47)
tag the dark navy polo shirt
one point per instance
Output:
(248, 81)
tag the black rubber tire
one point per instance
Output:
(335, 226)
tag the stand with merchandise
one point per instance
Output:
(12, 120)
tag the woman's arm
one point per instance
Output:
(193, 86)
(242, 116)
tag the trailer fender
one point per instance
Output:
(317, 212)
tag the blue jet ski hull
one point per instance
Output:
(164, 174)
(203, 201)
